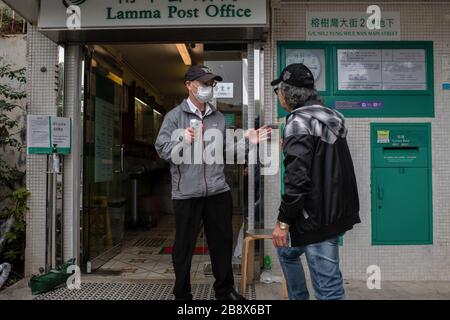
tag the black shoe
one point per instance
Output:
(233, 295)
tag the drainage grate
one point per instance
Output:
(150, 242)
(132, 291)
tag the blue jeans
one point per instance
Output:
(323, 264)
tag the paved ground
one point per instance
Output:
(356, 290)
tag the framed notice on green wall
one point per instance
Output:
(46, 134)
(368, 79)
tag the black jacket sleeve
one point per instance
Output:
(298, 154)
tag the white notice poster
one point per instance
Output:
(60, 132)
(382, 69)
(359, 69)
(38, 134)
(104, 135)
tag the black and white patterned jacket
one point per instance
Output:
(320, 198)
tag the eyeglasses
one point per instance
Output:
(213, 84)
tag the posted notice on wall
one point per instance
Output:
(224, 90)
(60, 132)
(446, 72)
(46, 132)
(104, 139)
(382, 69)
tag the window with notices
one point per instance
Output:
(368, 78)
(382, 69)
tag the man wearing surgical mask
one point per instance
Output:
(199, 191)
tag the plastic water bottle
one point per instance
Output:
(266, 275)
(197, 126)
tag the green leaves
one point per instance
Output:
(6, 71)
(15, 238)
(11, 81)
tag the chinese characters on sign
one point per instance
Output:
(350, 26)
(359, 105)
(44, 132)
(224, 90)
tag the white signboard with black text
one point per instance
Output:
(351, 25)
(224, 90)
(104, 14)
(60, 132)
(38, 134)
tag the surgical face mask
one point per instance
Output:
(204, 93)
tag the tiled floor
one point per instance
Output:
(141, 259)
(356, 290)
(126, 290)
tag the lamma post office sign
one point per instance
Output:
(105, 14)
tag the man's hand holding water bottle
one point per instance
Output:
(191, 134)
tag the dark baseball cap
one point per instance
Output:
(201, 73)
(297, 75)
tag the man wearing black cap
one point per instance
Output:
(320, 200)
(199, 191)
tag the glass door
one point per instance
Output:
(104, 202)
(231, 98)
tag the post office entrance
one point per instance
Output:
(128, 226)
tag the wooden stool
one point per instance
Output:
(248, 258)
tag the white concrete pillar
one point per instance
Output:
(42, 60)
(73, 163)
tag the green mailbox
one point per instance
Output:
(401, 184)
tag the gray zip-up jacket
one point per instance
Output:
(192, 180)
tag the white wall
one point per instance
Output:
(13, 51)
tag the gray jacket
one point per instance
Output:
(191, 180)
